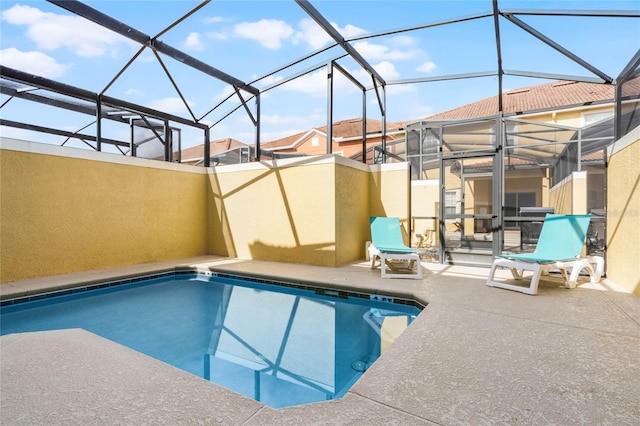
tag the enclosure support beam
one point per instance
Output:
(127, 31)
(559, 48)
(329, 107)
(496, 24)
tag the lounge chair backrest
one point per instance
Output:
(562, 236)
(386, 232)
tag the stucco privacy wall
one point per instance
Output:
(389, 193)
(425, 203)
(66, 210)
(623, 212)
(570, 195)
(282, 210)
(312, 210)
(352, 210)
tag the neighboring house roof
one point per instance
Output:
(341, 130)
(555, 95)
(290, 141)
(217, 146)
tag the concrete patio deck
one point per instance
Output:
(476, 355)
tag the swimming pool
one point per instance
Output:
(281, 344)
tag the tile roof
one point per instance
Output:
(350, 128)
(533, 98)
(216, 146)
(286, 141)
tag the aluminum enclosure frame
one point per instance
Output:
(378, 83)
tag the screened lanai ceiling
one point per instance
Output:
(258, 71)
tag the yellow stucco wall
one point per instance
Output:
(387, 194)
(425, 201)
(68, 210)
(280, 211)
(529, 180)
(570, 195)
(623, 213)
(352, 212)
(311, 210)
(63, 214)
(569, 117)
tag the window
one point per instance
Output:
(450, 202)
(512, 203)
(315, 141)
(514, 200)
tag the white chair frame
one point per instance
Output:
(594, 265)
(413, 260)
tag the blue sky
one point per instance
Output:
(248, 39)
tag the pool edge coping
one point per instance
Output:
(80, 284)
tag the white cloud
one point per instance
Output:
(171, 105)
(310, 33)
(216, 35)
(224, 93)
(426, 67)
(385, 68)
(388, 72)
(36, 63)
(403, 40)
(51, 31)
(133, 92)
(314, 83)
(268, 81)
(374, 52)
(349, 30)
(268, 32)
(213, 19)
(401, 88)
(194, 42)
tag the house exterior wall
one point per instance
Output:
(67, 210)
(313, 145)
(316, 144)
(623, 212)
(533, 180)
(573, 117)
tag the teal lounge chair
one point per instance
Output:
(387, 245)
(559, 247)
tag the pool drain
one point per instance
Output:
(359, 366)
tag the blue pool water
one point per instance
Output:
(280, 345)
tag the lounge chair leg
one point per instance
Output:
(517, 273)
(575, 272)
(535, 278)
(597, 263)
